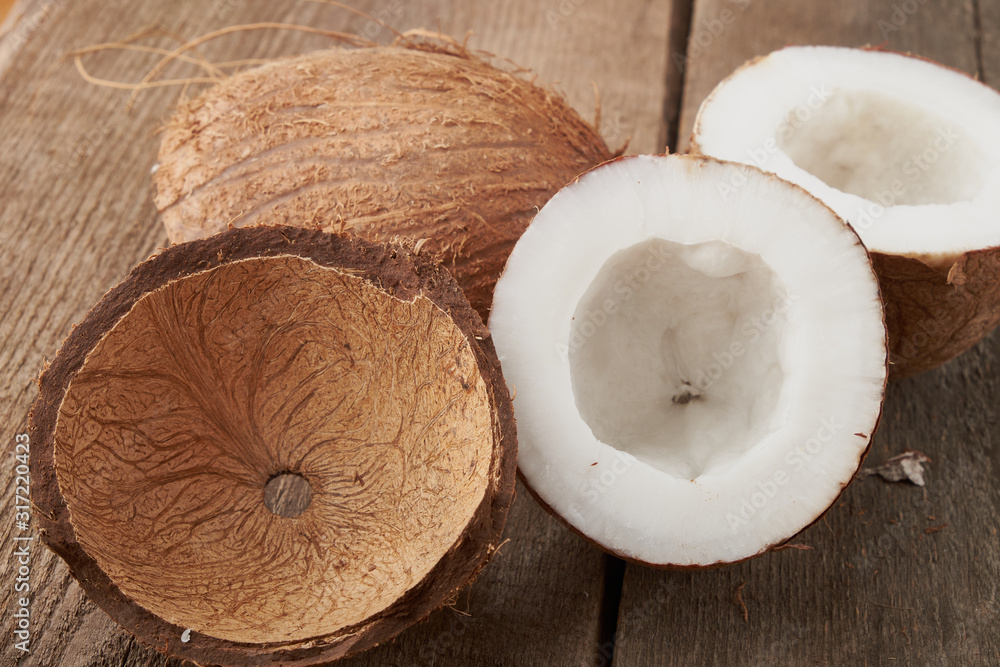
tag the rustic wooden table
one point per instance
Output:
(882, 584)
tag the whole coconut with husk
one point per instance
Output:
(419, 140)
(274, 446)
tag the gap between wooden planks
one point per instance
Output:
(877, 588)
(77, 215)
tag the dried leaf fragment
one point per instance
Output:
(907, 466)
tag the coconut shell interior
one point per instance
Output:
(356, 373)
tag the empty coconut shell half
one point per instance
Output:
(701, 375)
(274, 446)
(425, 141)
(908, 152)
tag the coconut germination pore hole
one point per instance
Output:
(287, 495)
(674, 353)
(878, 147)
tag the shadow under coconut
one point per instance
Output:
(539, 598)
(895, 571)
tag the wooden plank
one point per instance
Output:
(539, 603)
(882, 584)
(878, 587)
(619, 47)
(727, 33)
(77, 215)
(17, 21)
(988, 30)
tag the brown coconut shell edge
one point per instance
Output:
(392, 269)
(934, 315)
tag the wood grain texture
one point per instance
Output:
(896, 574)
(988, 30)
(882, 584)
(726, 33)
(77, 215)
(533, 605)
(18, 21)
(878, 588)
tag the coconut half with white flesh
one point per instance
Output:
(904, 149)
(697, 376)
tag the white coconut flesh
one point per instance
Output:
(905, 150)
(697, 376)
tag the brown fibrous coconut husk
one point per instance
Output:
(936, 310)
(419, 140)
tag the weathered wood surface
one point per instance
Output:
(880, 586)
(77, 215)
(876, 589)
